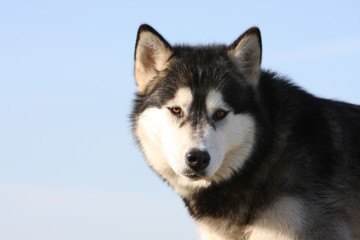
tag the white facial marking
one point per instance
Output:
(231, 142)
(165, 141)
(178, 140)
(183, 98)
(214, 101)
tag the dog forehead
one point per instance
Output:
(183, 97)
(215, 100)
(186, 98)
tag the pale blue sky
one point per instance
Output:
(69, 168)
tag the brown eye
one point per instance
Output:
(219, 114)
(176, 111)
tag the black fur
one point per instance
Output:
(298, 145)
(218, 73)
(306, 147)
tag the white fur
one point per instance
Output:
(177, 141)
(165, 143)
(280, 222)
(232, 141)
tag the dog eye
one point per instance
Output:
(176, 111)
(219, 114)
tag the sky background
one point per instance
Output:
(69, 168)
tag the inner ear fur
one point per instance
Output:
(246, 53)
(152, 52)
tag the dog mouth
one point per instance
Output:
(194, 175)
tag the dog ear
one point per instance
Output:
(151, 55)
(246, 52)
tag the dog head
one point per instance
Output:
(193, 115)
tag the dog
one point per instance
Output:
(252, 155)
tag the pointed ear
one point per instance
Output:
(151, 55)
(245, 52)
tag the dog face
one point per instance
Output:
(193, 113)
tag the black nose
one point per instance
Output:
(197, 159)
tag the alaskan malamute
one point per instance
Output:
(252, 155)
